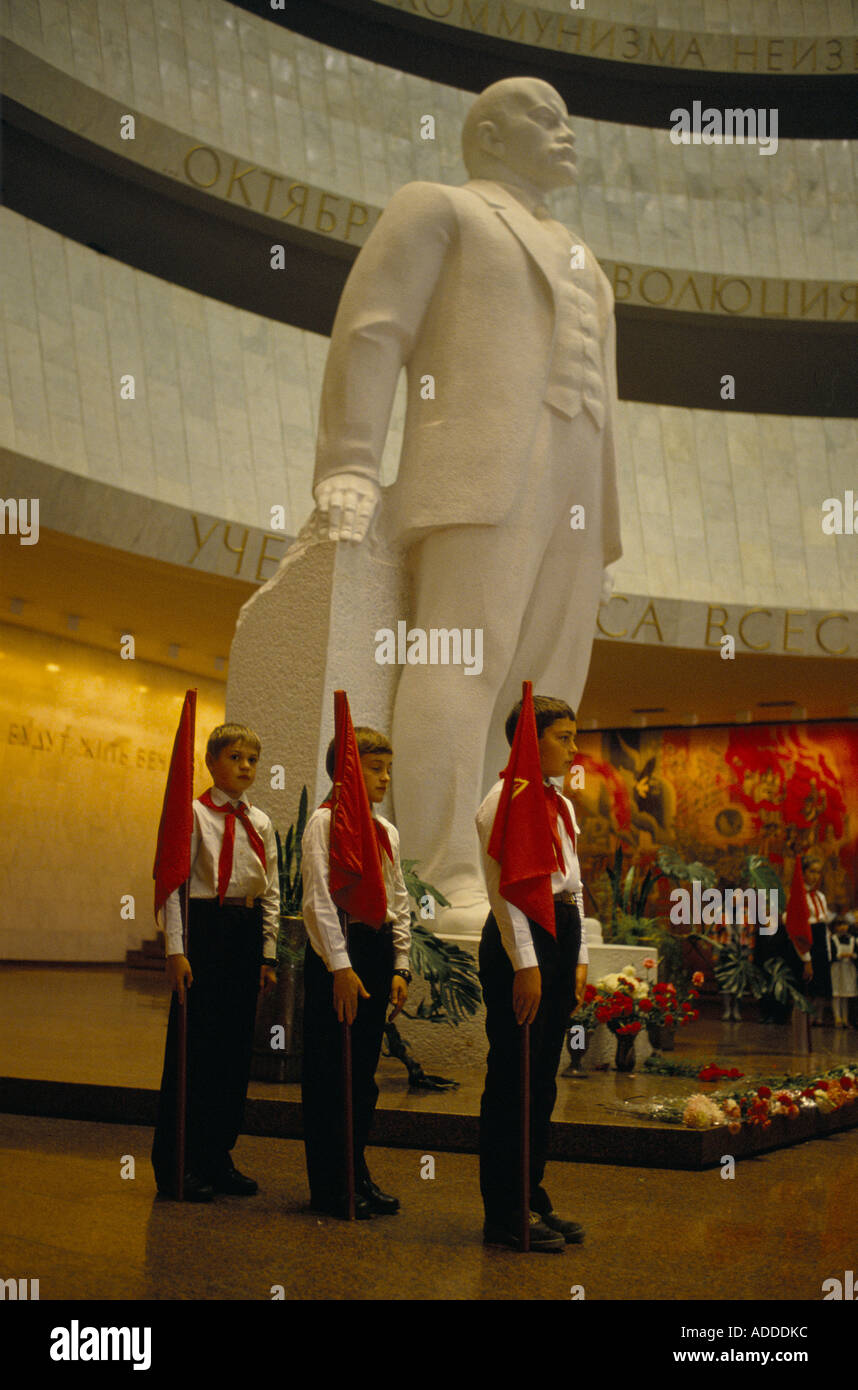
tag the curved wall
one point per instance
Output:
(308, 110)
(717, 507)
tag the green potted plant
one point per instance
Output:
(451, 974)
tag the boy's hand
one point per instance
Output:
(267, 978)
(580, 983)
(398, 996)
(348, 988)
(179, 975)
(526, 994)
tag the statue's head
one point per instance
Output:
(520, 127)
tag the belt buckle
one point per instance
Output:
(249, 901)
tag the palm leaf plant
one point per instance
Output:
(450, 972)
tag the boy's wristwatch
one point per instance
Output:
(405, 974)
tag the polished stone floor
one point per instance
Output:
(107, 1027)
(775, 1231)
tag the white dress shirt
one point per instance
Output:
(514, 927)
(320, 911)
(249, 879)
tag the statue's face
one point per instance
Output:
(534, 138)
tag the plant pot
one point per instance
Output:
(661, 1038)
(577, 1054)
(278, 1038)
(625, 1058)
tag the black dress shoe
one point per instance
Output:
(236, 1184)
(380, 1202)
(571, 1231)
(194, 1189)
(338, 1206)
(541, 1238)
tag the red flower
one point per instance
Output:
(633, 1027)
(733, 1073)
(846, 1083)
(645, 1005)
(764, 1092)
(820, 1086)
(669, 1020)
(603, 1014)
(590, 994)
(697, 977)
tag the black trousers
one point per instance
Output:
(225, 952)
(500, 1109)
(371, 954)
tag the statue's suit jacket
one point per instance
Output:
(456, 284)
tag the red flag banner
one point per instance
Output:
(521, 839)
(173, 854)
(356, 881)
(797, 915)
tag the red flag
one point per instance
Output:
(521, 839)
(173, 854)
(797, 915)
(356, 881)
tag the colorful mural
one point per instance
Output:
(718, 794)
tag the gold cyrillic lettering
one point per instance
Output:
(619, 283)
(263, 554)
(721, 625)
(326, 212)
(231, 548)
(634, 42)
(806, 307)
(649, 621)
(351, 220)
(272, 179)
(201, 540)
(793, 632)
(753, 647)
(645, 277)
(835, 47)
(615, 598)
(236, 178)
(798, 59)
(302, 188)
(831, 618)
(198, 183)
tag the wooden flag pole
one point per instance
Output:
(525, 1136)
(182, 1055)
(348, 1111)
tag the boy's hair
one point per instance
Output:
(225, 734)
(812, 859)
(547, 710)
(368, 741)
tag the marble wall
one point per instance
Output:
(89, 734)
(311, 111)
(717, 506)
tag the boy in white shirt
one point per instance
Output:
(351, 982)
(233, 923)
(529, 976)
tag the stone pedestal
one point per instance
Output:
(310, 630)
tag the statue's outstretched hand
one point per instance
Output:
(345, 504)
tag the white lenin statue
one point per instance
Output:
(506, 498)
